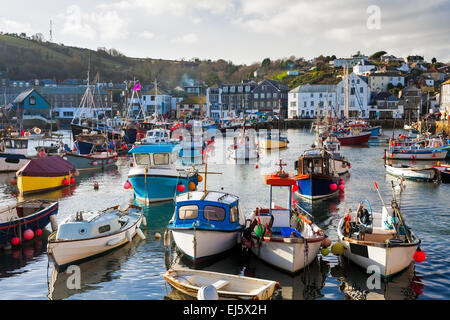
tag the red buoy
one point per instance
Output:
(333, 186)
(419, 256)
(181, 187)
(28, 234)
(13, 181)
(295, 188)
(72, 180)
(15, 241)
(38, 232)
(127, 185)
(65, 182)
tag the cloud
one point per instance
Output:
(147, 35)
(103, 25)
(12, 26)
(189, 38)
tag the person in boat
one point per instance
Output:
(42, 153)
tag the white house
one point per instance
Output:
(303, 101)
(152, 104)
(380, 81)
(362, 68)
(359, 97)
(445, 99)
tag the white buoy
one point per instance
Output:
(208, 292)
(140, 234)
(144, 221)
(129, 236)
(167, 238)
(53, 222)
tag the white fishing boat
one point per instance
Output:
(434, 148)
(414, 172)
(227, 286)
(282, 237)
(379, 240)
(206, 224)
(13, 153)
(244, 147)
(157, 135)
(88, 234)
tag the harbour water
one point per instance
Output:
(134, 271)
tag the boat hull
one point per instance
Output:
(11, 162)
(289, 257)
(412, 155)
(316, 188)
(407, 173)
(374, 131)
(354, 140)
(208, 243)
(28, 184)
(93, 162)
(273, 143)
(39, 220)
(157, 185)
(64, 252)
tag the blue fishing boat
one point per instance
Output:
(206, 225)
(316, 177)
(154, 176)
(27, 217)
(374, 131)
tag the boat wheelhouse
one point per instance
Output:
(154, 176)
(206, 224)
(280, 235)
(317, 177)
(13, 153)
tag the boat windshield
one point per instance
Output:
(142, 159)
(188, 212)
(214, 213)
(160, 159)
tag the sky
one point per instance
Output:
(241, 31)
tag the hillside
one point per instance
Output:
(24, 58)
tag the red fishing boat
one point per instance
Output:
(354, 139)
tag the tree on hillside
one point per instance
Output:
(265, 63)
(377, 55)
(433, 61)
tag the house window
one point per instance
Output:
(255, 96)
(361, 89)
(262, 95)
(32, 100)
(275, 103)
(269, 95)
(275, 95)
(312, 103)
(304, 104)
(231, 89)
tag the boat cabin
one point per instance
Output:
(85, 225)
(156, 136)
(17, 145)
(314, 162)
(208, 210)
(155, 155)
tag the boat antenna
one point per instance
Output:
(398, 213)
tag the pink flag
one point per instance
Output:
(137, 87)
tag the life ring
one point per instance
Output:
(37, 130)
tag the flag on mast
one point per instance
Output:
(137, 87)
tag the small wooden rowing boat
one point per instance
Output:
(88, 234)
(228, 286)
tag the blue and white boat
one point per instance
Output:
(434, 148)
(374, 131)
(206, 224)
(155, 177)
(316, 177)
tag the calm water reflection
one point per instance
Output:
(134, 271)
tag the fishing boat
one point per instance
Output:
(45, 174)
(444, 170)
(317, 177)
(433, 148)
(157, 135)
(226, 286)
(415, 173)
(206, 224)
(154, 175)
(244, 147)
(274, 141)
(88, 234)
(280, 235)
(32, 215)
(13, 153)
(379, 240)
(340, 163)
(92, 161)
(352, 136)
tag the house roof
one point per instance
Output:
(22, 96)
(314, 88)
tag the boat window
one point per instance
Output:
(188, 212)
(234, 214)
(104, 228)
(317, 166)
(161, 159)
(214, 213)
(142, 159)
(150, 134)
